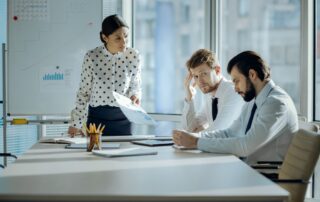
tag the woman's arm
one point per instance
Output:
(78, 114)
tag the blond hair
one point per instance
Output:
(200, 57)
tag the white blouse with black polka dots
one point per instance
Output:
(102, 73)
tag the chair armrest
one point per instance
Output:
(8, 155)
(290, 181)
(265, 166)
(271, 176)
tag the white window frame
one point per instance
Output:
(307, 59)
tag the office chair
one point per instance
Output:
(302, 118)
(308, 126)
(7, 155)
(303, 124)
(298, 165)
(315, 128)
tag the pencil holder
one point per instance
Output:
(93, 141)
(93, 136)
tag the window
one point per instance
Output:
(111, 7)
(3, 38)
(271, 28)
(317, 58)
(166, 34)
(243, 8)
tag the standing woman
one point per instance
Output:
(107, 68)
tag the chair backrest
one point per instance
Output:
(300, 162)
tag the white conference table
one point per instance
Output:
(48, 172)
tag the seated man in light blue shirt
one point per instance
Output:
(267, 122)
(221, 104)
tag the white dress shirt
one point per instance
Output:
(102, 73)
(274, 123)
(229, 108)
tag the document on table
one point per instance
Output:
(124, 152)
(153, 143)
(182, 147)
(126, 138)
(104, 145)
(185, 149)
(134, 113)
(64, 140)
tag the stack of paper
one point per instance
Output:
(124, 152)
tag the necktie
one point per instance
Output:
(251, 117)
(214, 108)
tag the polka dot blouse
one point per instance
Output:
(102, 73)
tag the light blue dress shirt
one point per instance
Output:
(274, 123)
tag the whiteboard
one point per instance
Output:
(47, 41)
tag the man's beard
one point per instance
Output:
(210, 88)
(250, 93)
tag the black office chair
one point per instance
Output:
(7, 155)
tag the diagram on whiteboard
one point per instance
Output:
(55, 79)
(47, 42)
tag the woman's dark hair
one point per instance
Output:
(110, 24)
(249, 60)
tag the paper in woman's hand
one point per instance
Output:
(134, 113)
